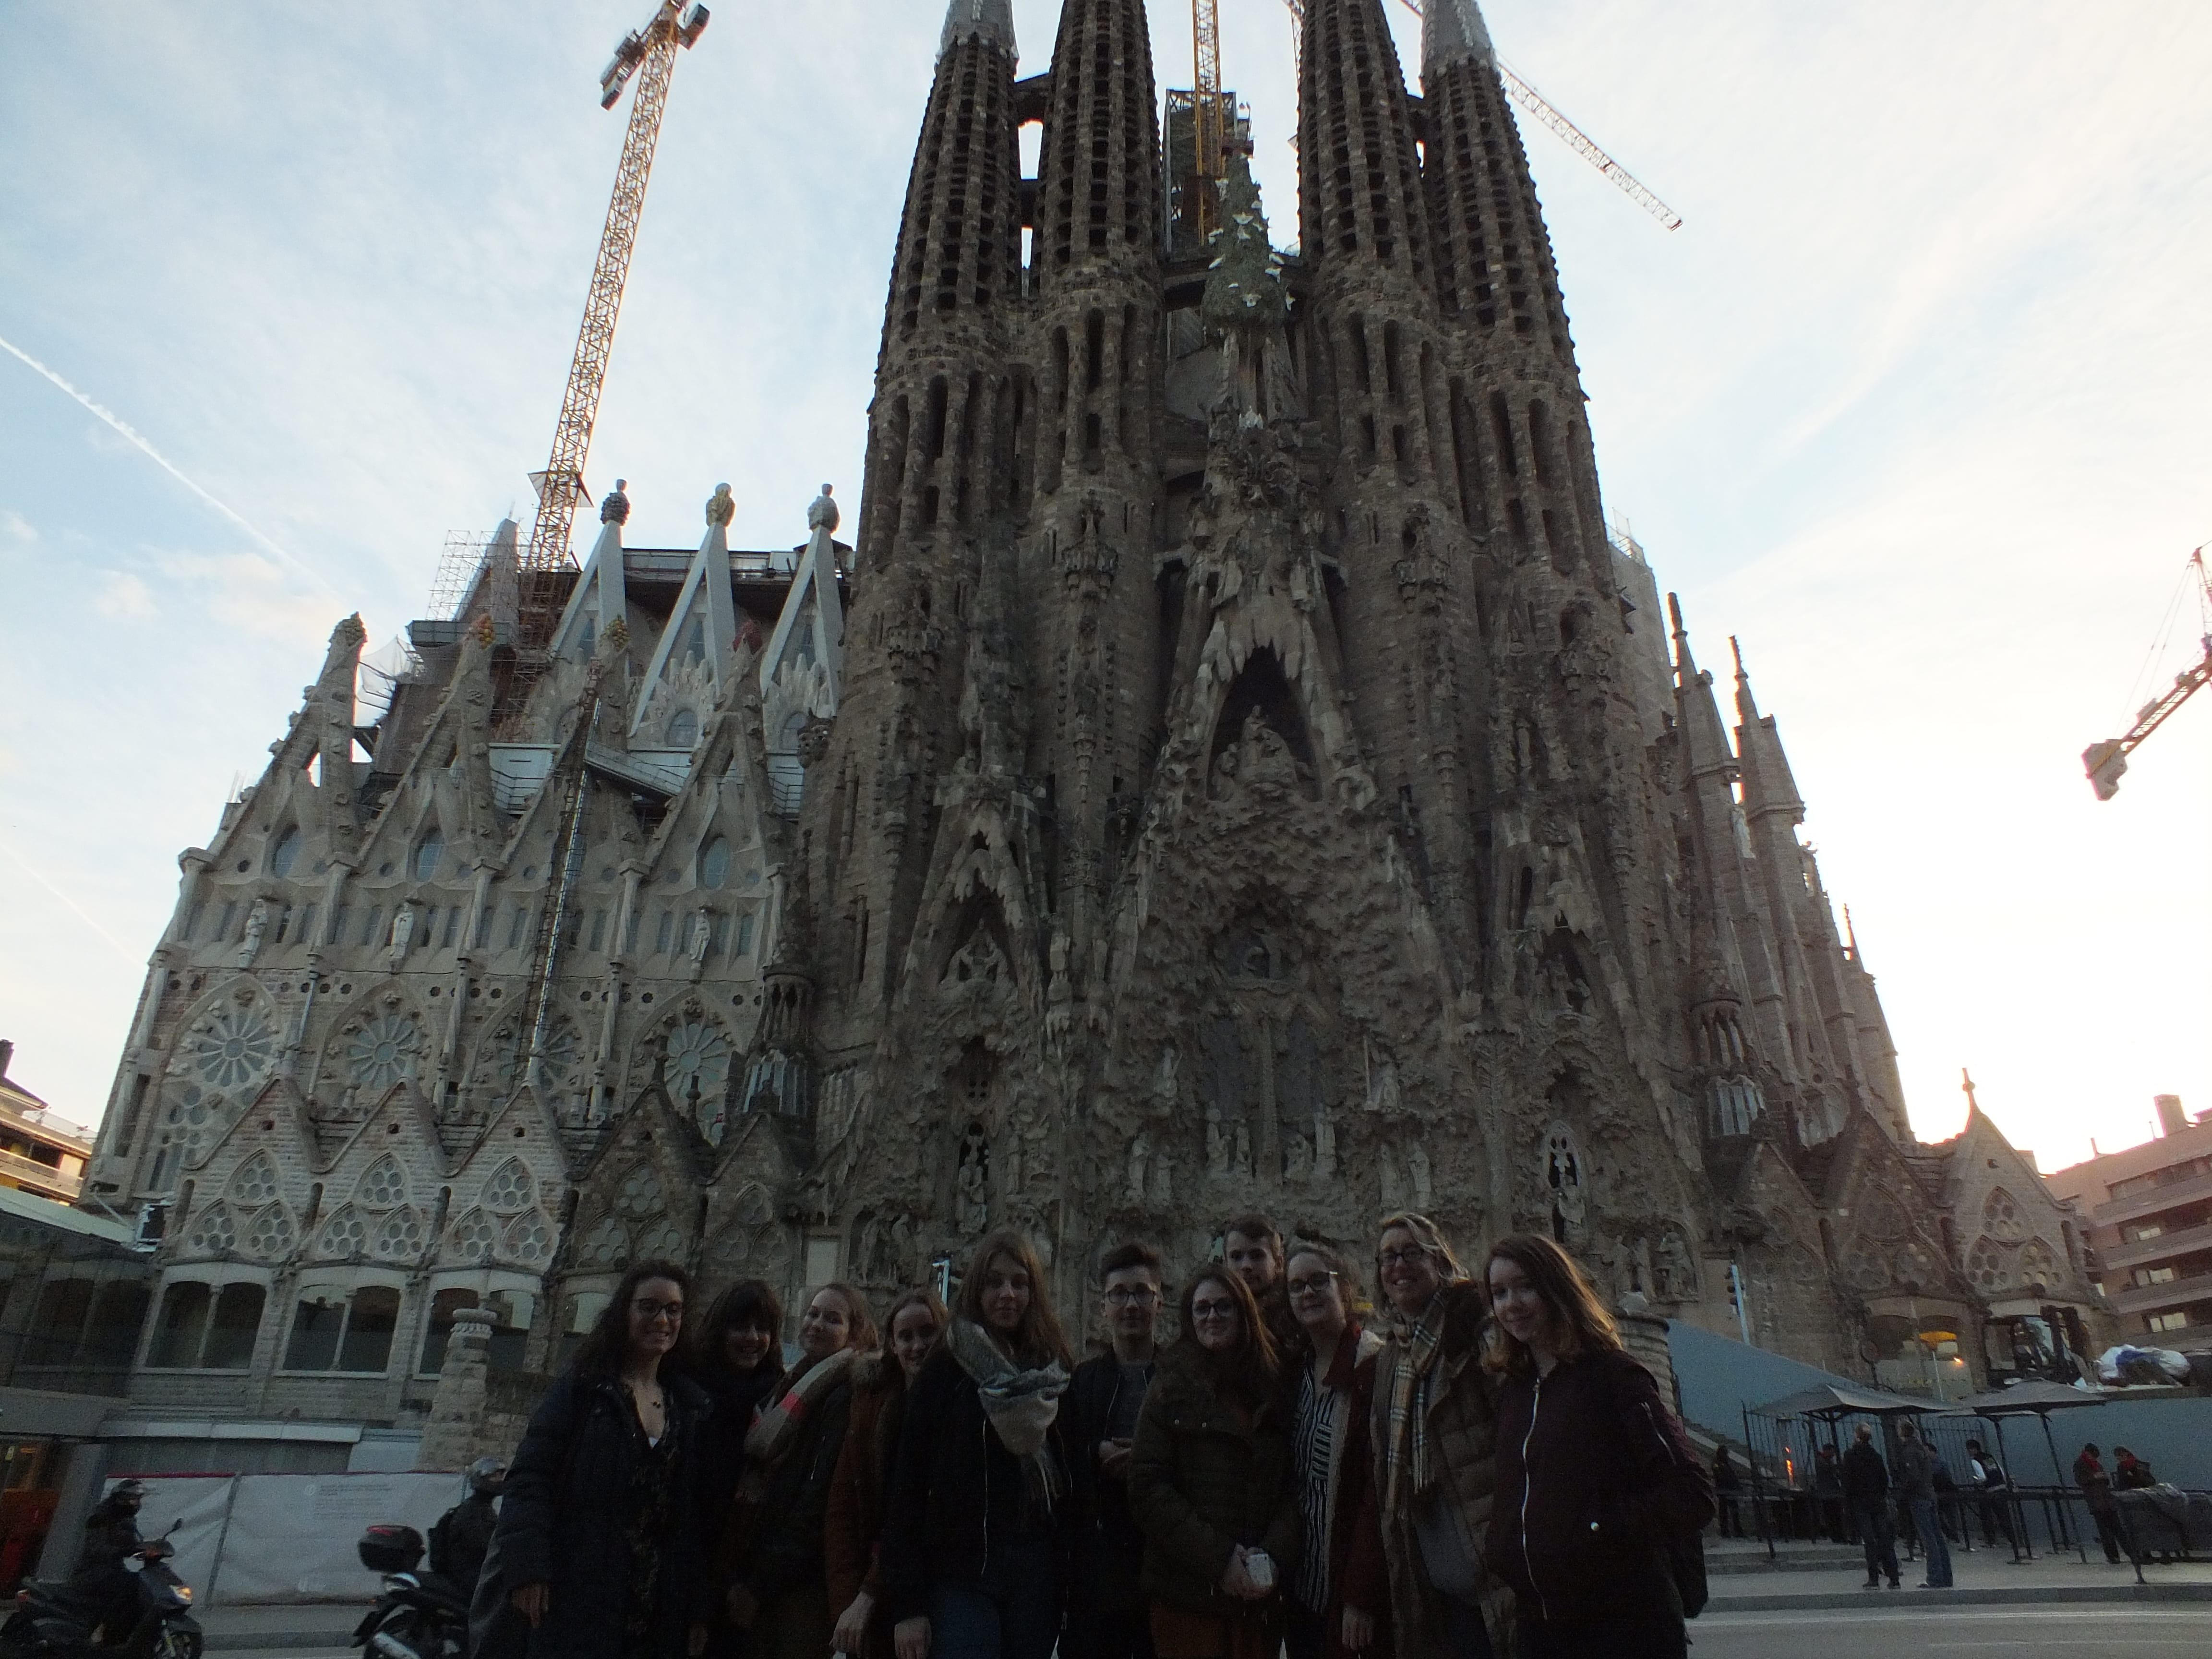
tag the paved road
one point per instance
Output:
(2082, 1632)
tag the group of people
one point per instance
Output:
(1476, 1467)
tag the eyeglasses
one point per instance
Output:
(1405, 1258)
(1213, 1310)
(651, 1310)
(1123, 1296)
(1315, 1285)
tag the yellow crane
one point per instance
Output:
(648, 55)
(1209, 124)
(1580, 142)
(2106, 761)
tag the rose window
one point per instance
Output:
(529, 1239)
(1986, 1265)
(510, 1187)
(255, 1183)
(471, 1237)
(269, 1236)
(215, 1232)
(663, 1242)
(698, 1060)
(345, 1234)
(606, 1245)
(560, 1055)
(384, 1185)
(384, 1051)
(639, 1193)
(233, 1048)
(2001, 1216)
(401, 1234)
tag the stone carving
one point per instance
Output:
(822, 512)
(1140, 1153)
(1673, 1271)
(1324, 1145)
(1217, 1144)
(1298, 1159)
(1424, 1189)
(1563, 1176)
(257, 924)
(403, 933)
(614, 506)
(972, 1182)
(721, 507)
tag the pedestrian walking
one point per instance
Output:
(1210, 1482)
(774, 1573)
(1727, 1488)
(1106, 1616)
(2089, 1474)
(1329, 1388)
(1866, 1489)
(1915, 1475)
(1434, 1423)
(1992, 1491)
(598, 1543)
(854, 1525)
(1595, 1474)
(981, 1503)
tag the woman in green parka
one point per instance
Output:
(1211, 1486)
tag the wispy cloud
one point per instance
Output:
(247, 591)
(137, 441)
(70, 904)
(15, 528)
(123, 597)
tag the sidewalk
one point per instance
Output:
(1986, 1578)
(310, 1627)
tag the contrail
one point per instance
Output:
(26, 868)
(131, 435)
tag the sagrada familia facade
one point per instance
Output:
(1231, 768)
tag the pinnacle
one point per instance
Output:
(1453, 30)
(978, 19)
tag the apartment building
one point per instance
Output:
(2148, 1212)
(39, 1152)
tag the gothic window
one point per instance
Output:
(285, 853)
(202, 1327)
(472, 1238)
(214, 1233)
(2037, 1263)
(515, 923)
(530, 1240)
(714, 863)
(384, 1185)
(429, 854)
(1737, 1104)
(1298, 1085)
(1986, 1265)
(269, 1236)
(233, 1049)
(1225, 1074)
(684, 729)
(558, 1059)
(664, 936)
(663, 1241)
(510, 1188)
(744, 932)
(452, 925)
(254, 1182)
(400, 1237)
(640, 1196)
(698, 1065)
(2001, 1218)
(385, 1050)
(606, 1246)
(345, 1234)
(337, 1330)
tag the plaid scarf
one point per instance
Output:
(1407, 1470)
(1021, 1406)
(775, 1427)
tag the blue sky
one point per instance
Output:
(1914, 403)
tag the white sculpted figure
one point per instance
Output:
(256, 924)
(1140, 1153)
(402, 931)
(721, 508)
(822, 512)
(1425, 1190)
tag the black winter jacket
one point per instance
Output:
(788, 1532)
(954, 1488)
(1594, 1479)
(736, 1397)
(1202, 1482)
(1865, 1475)
(569, 1507)
(1109, 1550)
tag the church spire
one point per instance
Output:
(1768, 786)
(990, 21)
(1704, 736)
(1452, 30)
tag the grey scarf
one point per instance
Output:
(1020, 1404)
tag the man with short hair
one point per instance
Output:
(1252, 1248)
(1866, 1489)
(2097, 1490)
(1989, 1485)
(1107, 1615)
(1917, 1464)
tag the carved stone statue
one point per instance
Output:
(1417, 1163)
(721, 508)
(1140, 1153)
(1217, 1146)
(1297, 1158)
(1163, 1080)
(974, 1184)
(1244, 1149)
(1324, 1145)
(256, 924)
(614, 506)
(822, 512)
(402, 931)
(702, 934)
(1674, 1274)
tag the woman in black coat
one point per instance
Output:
(737, 1357)
(1597, 1485)
(598, 1532)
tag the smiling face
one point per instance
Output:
(1006, 1293)
(914, 1334)
(826, 1326)
(656, 1317)
(1215, 1319)
(1254, 1260)
(745, 1347)
(1408, 1268)
(1316, 1297)
(1518, 1306)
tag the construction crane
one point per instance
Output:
(648, 56)
(1580, 142)
(2106, 761)
(1209, 131)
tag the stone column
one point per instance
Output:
(456, 1424)
(1645, 1334)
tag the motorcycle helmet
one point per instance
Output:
(488, 1477)
(132, 1492)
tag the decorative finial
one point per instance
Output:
(1968, 1084)
(822, 512)
(721, 508)
(614, 507)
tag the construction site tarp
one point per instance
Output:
(1838, 1400)
(2025, 1400)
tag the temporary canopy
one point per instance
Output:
(1831, 1402)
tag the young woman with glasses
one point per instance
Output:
(1210, 1482)
(598, 1543)
(1328, 1391)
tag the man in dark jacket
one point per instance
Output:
(1866, 1489)
(462, 1538)
(101, 1584)
(1106, 1607)
(2097, 1491)
(1252, 1245)
(1917, 1466)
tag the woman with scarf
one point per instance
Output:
(598, 1543)
(1433, 1424)
(1597, 1482)
(855, 1526)
(737, 1357)
(1210, 1481)
(1328, 1382)
(777, 1587)
(979, 1503)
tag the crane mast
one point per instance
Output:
(2107, 761)
(648, 56)
(1209, 124)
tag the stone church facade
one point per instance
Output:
(1232, 768)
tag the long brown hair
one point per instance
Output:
(1430, 1236)
(860, 1332)
(750, 1304)
(600, 1353)
(1352, 1293)
(1039, 1340)
(1248, 1371)
(889, 1373)
(1569, 1297)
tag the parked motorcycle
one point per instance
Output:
(421, 1615)
(77, 1619)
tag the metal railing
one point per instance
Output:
(14, 1166)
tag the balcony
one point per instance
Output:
(2137, 1252)
(2136, 1206)
(2158, 1299)
(43, 1178)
